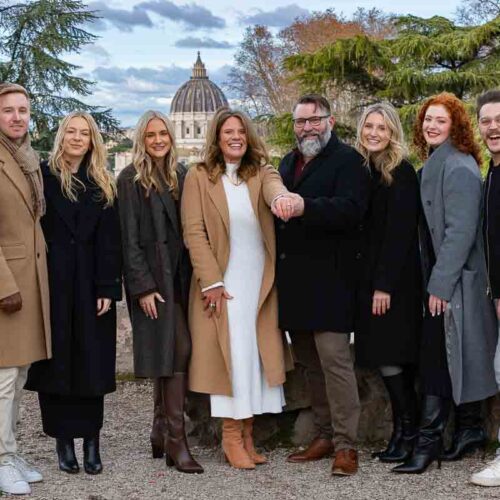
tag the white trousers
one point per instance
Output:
(12, 381)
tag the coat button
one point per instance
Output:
(282, 226)
(429, 202)
(282, 256)
(72, 241)
(432, 230)
(38, 255)
(358, 256)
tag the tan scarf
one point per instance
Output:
(26, 157)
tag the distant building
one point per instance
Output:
(192, 108)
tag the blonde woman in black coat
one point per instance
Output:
(389, 299)
(157, 275)
(82, 232)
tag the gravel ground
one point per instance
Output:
(130, 472)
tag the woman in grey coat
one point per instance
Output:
(157, 275)
(459, 333)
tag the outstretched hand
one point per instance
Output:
(288, 206)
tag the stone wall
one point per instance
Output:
(295, 425)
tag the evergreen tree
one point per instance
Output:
(35, 37)
(425, 57)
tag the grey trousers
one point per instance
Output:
(327, 359)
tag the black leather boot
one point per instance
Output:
(429, 443)
(469, 434)
(66, 454)
(404, 419)
(159, 428)
(176, 449)
(91, 457)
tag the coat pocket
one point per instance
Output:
(12, 252)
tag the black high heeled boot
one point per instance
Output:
(429, 443)
(469, 434)
(66, 455)
(404, 432)
(159, 428)
(91, 456)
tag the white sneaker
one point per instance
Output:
(11, 480)
(29, 473)
(490, 476)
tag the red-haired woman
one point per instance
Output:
(459, 333)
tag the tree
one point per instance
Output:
(474, 12)
(426, 56)
(35, 37)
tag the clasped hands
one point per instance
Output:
(287, 206)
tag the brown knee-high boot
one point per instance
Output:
(159, 429)
(232, 444)
(177, 451)
(248, 442)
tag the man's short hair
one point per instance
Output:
(318, 100)
(491, 96)
(13, 88)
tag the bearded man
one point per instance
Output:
(24, 294)
(318, 258)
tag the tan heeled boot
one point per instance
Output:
(232, 444)
(248, 442)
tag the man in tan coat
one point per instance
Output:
(24, 295)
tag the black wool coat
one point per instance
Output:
(155, 259)
(391, 264)
(318, 254)
(84, 264)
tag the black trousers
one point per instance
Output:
(67, 417)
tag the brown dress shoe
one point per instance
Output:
(318, 449)
(345, 463)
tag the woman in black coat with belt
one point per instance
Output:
(82, 232)
(389, 300)
(157, 274)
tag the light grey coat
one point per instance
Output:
(451, 191)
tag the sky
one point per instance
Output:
(146, 48)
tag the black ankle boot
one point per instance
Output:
(66, 454)
(402, 397)
(91, 457)
(429, 443)
(469, 434)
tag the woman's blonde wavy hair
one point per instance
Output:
(148, 175)
(256, 155)
(95, 161)
(387, 160)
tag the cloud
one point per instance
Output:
(98, 53)
(192, 42)
(279, 17)
(192, 15)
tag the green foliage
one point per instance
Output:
(35, 37)
(426, 56)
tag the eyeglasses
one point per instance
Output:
(314, 121)
(486, 121)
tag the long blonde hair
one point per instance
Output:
(255, 156)
(387, 160)
(96, 161)
(148, 175)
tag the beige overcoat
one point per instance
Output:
(205, 220)
(24, 335)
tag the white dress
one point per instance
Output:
(243, 279)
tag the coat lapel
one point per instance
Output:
(218, 197)
(169, 204)
(432, 170)
(15, 174)
(54, 195)
(287, 170)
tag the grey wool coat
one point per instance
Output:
(155, 259)
(451, 192)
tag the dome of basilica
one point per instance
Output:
(199, 94)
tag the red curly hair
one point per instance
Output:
(461, 133)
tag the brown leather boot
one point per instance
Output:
(345, 463)
(232, 444)
(248, 442)
(318, 449)
(159, 429)
(176, 449)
